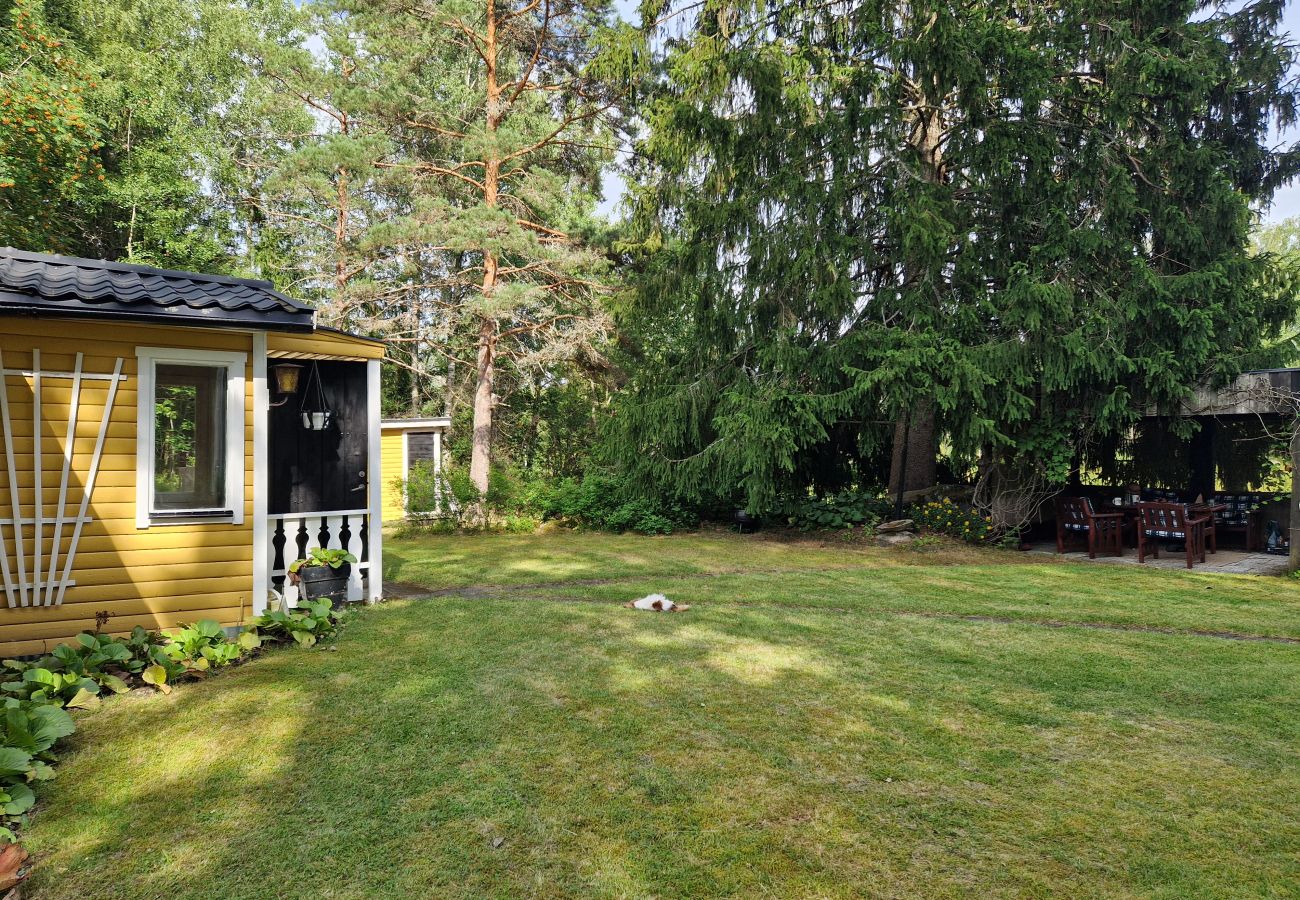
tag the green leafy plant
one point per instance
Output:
(203, 646)
(605, 503)
(28, 732)
(312, 622)
(335, 558)
(75, 674)
(846, 509)
(944, 516)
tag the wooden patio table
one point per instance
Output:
(1132, 518)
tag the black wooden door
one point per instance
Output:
(320, 471)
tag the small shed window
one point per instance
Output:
(190, 449)
(421, 446)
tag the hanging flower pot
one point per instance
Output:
(316, 421)
(315, 411)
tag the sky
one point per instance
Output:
(1286, 203)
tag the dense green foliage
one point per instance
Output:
(518, 501)
(845, 509)
(1016, 226)
(1031, 218)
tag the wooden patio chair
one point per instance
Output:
(1104, 532)
(1239, 517)
(1170, 522)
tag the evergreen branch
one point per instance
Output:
(550, 232)
(537, 51)
(552, 138)
(476, 42)
(436, 170)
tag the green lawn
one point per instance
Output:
(826, 721)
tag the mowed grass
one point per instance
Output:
(823, 722)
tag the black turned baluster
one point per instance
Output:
(365, 539)
(303, 536)
(323, 536)
(345, 533)
(278, 540)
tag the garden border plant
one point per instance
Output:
(35, 694)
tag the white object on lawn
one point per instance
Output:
(656, 603)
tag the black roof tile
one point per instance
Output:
(40, 283)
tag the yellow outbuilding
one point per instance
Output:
(406, 443)
(171, 442)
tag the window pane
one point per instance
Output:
(189, 437)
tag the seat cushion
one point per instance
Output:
(1155, 532)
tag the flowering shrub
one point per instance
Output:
(946, 517)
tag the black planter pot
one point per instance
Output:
(325, 583)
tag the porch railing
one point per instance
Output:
(293, 535)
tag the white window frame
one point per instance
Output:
(234, 362)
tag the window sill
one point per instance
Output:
(191, 517)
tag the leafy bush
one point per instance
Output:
(311, 622)
(448, 497)
(946, 517)
(846, 509)
(604, 503)
(204, 645)
(516, 503)
(76, 674)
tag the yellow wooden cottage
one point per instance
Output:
(406, 443)
(171, 442)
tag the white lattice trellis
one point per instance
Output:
(46, 581)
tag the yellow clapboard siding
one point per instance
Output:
(44, 636)
(158, 576)
(390, 470)
(175, 604)
(236, 576)
(96, 538)
(187, 555)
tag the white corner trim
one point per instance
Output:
(233, 361)
(406, 473)
(375, 481)
(261, 424)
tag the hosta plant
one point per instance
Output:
(28, 731)
(202, 646)
(313, 621)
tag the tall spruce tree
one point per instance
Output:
(1024, 222)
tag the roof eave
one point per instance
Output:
(12, 304)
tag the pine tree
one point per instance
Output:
(503, 122)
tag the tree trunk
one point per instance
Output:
(921, 452)
(481, 452)
(1293, 520)
(915, 448)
